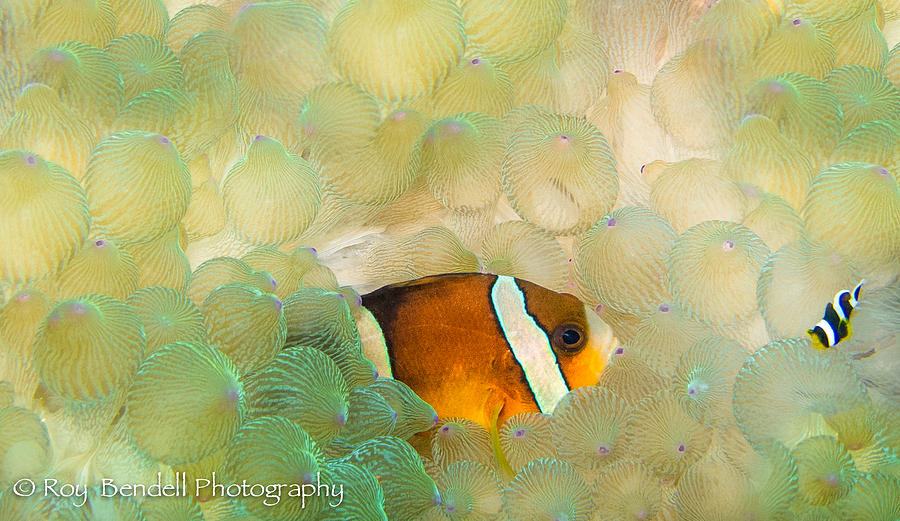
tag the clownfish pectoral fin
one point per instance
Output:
(843, 330)
(816, 340)
(493, 408)
(848, 329)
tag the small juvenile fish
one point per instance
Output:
(835, 325)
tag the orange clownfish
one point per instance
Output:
(487, 347)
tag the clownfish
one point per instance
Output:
(835, 324)
(486, 347)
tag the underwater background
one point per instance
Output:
(193, 197)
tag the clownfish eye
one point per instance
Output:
(568, 338)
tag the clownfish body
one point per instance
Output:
(487, 347)
(835, 324)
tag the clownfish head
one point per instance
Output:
(580, 341)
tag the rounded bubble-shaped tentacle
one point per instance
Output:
(413, 414)
(47, 126)
(432, 251)
(522, 250)
(631, 492)
(589, 428)
(434, 40)
(363, 499)
(306, 386)
(665, 437)
(145, 64)
(31, 186)
(102, 265)
(291, 456)
(279, 48)
(784, 390)
(712, 487)
(368, 416)
(88, 348)
(401, 475)
(20, 318)
(770, 217)
(86, 78)
(185, 403)
(476, 84)
(24, 445)
(631, 46)
(168, 316)
(287, 269)
(162, 262)
(547, 489)
(470, 491)
(630, 376)
(868, 206)
(689, 192)
(516, 31)
(875, 496)
(93, 22)
(664, 334)
(461, 157)
(639, 235)
(704, 379)
(825, 470)
(859, 40)
(864, 94)
(525, 437)
(322, 318)
(712, 256)
(142, 16)
(559, 173)
(803, 108)
(271, 180)
(138, 186)
(798, 44)
(459, 439)
(218, 271)
(764, 157)
(193, 20)
(875, 142)
(695, 94)
(567, 77)
(247, 324)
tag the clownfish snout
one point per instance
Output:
(602, 341)
(583, 369)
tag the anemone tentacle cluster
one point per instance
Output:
(194, 195)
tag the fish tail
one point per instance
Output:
(849, 327)
(814, 339)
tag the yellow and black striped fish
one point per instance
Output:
(835, 324)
